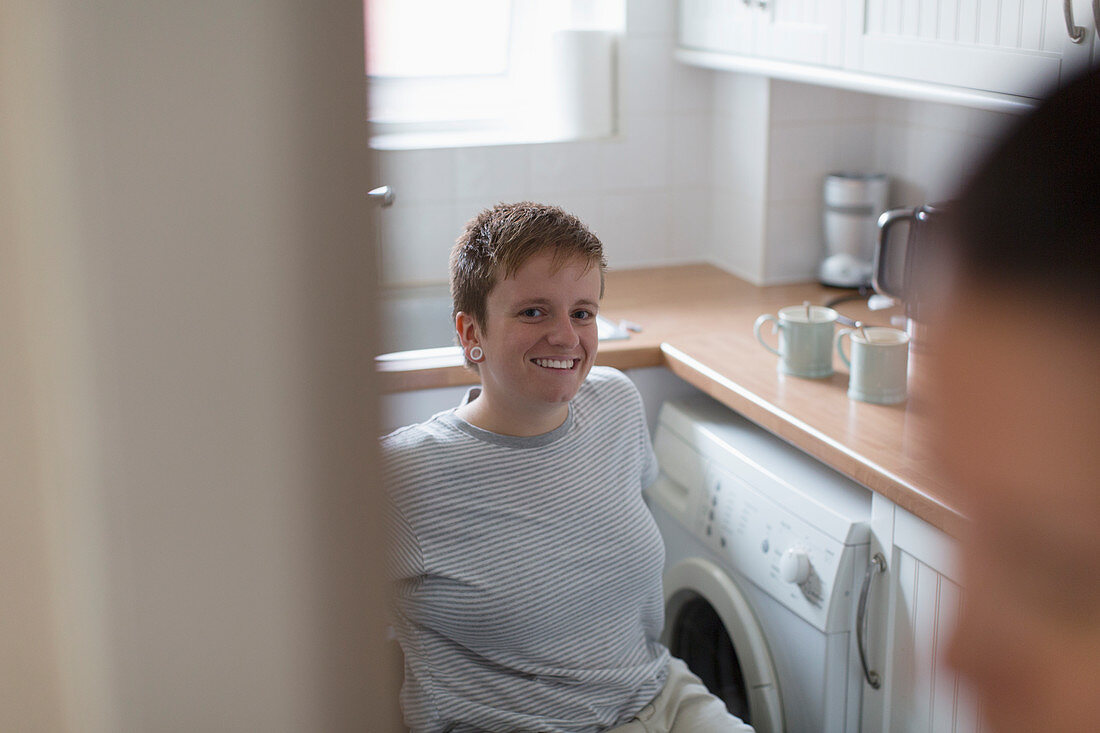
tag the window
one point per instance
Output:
(479, 72)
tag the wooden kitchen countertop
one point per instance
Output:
(697, 321)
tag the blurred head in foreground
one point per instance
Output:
(1016, 374)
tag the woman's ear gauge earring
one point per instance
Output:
(476, 353)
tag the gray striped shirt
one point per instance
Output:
(528, 570)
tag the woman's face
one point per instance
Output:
(539, 340)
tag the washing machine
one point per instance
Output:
(765, 550)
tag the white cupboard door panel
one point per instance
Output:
(802, 31)
(926, 693)
(724, 26)
(944, 678)
(698, 25)
(967, 25)
(1015, 47)
(973, 67)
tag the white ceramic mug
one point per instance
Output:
(805, 339)
(879, 364)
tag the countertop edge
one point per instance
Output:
(813, 442)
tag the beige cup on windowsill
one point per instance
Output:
(879, 364)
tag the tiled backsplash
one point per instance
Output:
(706, 166)
(767, 229)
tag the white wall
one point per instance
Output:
(644, 192)
(708, 165)
(774, 142)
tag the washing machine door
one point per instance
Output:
(710, 625)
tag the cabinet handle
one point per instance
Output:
(1096, 15)
(1076, 32)
(878, 563)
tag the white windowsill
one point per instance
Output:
(468, 139)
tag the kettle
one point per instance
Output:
(900, 270)
(898, 267)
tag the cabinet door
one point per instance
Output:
(912, 624)
(724, 26)
(1016, 47)
(802, 31)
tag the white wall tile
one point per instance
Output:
(734, 93)
(636, 228)
(794, 102)
(790, 183)
(794, 244)
(740, 135)
(640, 159)
(690, 238)
(417, 240)
(799, 157)
(791, 102)
(853, 147)
(892, 109)
(490, 175)
(939, 116)
(650, 18)
(645, 75)
(724, 144)
(573, 166)
(692, 88)
(419, 176)
(737, 234)
(891, 157)
(856, 106)
(691, 149)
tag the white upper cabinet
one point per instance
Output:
(1019, 47)
(982, 52)
(801, 31)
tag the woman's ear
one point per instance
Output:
(469, 335)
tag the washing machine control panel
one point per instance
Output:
(786, 556)
(769, 527)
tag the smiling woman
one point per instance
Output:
(526, 565)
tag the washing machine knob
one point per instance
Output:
(794, 566)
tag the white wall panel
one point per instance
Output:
(486, 176)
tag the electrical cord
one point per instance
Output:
(862, 293)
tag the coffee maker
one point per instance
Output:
(853, 203)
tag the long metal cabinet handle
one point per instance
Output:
(1096, 15)
(878, 562)
(1076, 32)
